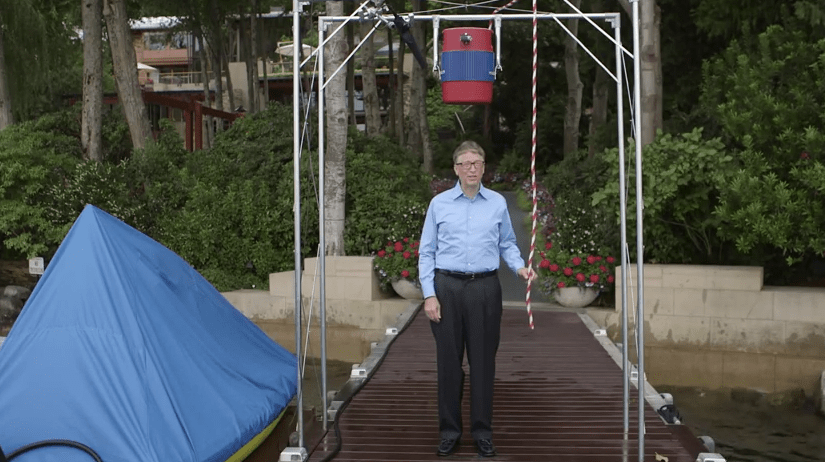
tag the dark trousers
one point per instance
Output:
(471, 317)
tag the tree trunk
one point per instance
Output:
(230, 91)
(423, 126)
(651, 67)
(400, 124)
(598, 115)
(124, 62)
(393, 85)
(91, 118)
(6, 116)
(247, 58)
(372, 106)
(209, 131)
(348, 9)
(649, 42)
(573, 111)
(253, 51)
(414, 135)
(336, 125)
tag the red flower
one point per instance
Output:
(406, 239)
(544, 264)
(562, 285)
(548, 245)
(381, 253)
(416, 253)
(576, 261)
(594, 278)
(399, 246)
(610, 279)
(580, 277)
(804, 155)
(591, 259)
(568, 271)
(599, 258)
(415, 244)
(603, 268)
(554, 267)
(405, 273)
(610, 259)
(407, 255)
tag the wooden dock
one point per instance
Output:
(558, 397)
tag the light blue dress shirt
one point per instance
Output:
(467, 235)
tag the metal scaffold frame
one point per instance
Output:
(374, 13)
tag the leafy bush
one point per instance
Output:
(387, 194)
(235, 222)
(682, 177)
(767, 99)
(759, 208)
(34, 157)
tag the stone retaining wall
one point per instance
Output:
(357, 311)
(717, 326)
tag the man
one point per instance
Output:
(466, 231)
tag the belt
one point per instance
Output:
(463, 275)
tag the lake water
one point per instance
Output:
(748, 426)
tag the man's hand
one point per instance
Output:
(432, 308)
(527, 274)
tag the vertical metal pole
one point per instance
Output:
(321, 206)
(623, 215)
(640, 276)
(296, 208)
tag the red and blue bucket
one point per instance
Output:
(467, 66)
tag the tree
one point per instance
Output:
(601, 91)
(6, 116)
(650, 56)
(372, 109)
(336, 127)
(573, 112)
(37, 57)
(418, 99)
(124, 62)
(91, 118)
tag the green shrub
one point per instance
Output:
(387, 194)
(682, 178)
(235, 221)
(766, 95)
(34, 157)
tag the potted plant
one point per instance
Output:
(574, 279)
(397, 266)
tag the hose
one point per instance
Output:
(344, 405)
(45, 443)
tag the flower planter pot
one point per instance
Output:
(575, 297)
(407, 289)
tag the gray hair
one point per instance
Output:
(468, 146)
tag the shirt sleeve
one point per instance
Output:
(426, 253)
(508, 247)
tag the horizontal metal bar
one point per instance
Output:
(483, 17)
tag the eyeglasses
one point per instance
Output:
(469, 165)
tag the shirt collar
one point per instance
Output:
(456, 192)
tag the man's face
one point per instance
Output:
(470, 168)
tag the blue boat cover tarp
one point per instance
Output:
(125, 348)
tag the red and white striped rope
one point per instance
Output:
(490, 26)
(533, 169)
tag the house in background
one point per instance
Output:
(170, 72)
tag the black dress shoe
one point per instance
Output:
(447, 446)
(485, 447)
